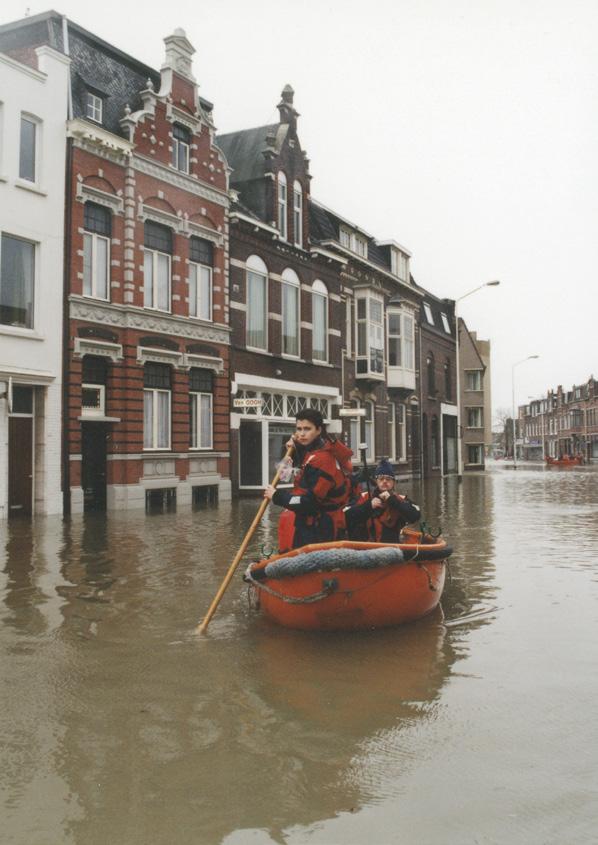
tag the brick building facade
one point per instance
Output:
(147, 340)
(438, 390)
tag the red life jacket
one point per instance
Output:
(384, 517)
(325, 473)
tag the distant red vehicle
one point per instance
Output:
(565, 461)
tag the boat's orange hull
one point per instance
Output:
(360, 598)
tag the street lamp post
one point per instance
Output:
(457, 301)
(516, 364)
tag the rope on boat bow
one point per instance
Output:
(330, 585)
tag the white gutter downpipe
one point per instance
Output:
(65, 45)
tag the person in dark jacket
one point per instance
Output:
(321, 488)
(379, 519)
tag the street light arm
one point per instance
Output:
(479, 287)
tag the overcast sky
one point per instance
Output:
(467, 130)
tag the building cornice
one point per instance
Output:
(95, 139)
(141, 319)
(179, 180)
(358, 259)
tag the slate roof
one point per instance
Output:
(438, 307)
(95, 65)
(324, 225)
(244, 151)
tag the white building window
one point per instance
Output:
(319, 307)
(355, 431)
(290, 313)
(401, 341)
(96, 251)
(399, 264)
(201, 261)
(17, 281)
(282, 205)
(156, 266)
(156, 406)
(473, 380)
(28, 149)
(201, 408)
(257, 303)
(298, 214)
(474, 418)
(445, 322)
(428, 313)
(93, 107)
(392, 431)
(475, 454)
(355, 242)
(402, 433)
(181, 144)
(370, 334)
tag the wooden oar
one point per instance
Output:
(242, 548)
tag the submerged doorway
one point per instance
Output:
(20, 466)
(93, 465)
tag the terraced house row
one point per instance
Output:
(157, 344)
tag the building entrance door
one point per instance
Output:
(20, 466)
(93, 466)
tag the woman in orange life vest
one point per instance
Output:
(386, 512)
(321, 486)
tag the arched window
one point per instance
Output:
(298, 213)
(257, 303)
(431, 375)
(290, 312)
(319, 309)
(282, 205)
(447, 380)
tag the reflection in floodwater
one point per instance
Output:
(120, 725)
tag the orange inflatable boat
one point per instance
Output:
(565, 461)
(351, 585)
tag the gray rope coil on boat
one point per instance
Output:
(329, 588)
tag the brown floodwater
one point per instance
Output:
(120, 726)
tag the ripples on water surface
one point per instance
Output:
(119, 725)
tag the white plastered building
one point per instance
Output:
(33, 113)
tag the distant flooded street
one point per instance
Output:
(120, 725)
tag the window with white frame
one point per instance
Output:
(348, 327)
(93, 386)
(399, 264)
(93, 107)
(355, 431)
(28, 149)
(257, 303)
(181, 144)
(290, 312)
(156, 406)
(401, 342)
(156, 266)
(402, 433)
(17, 281)
(97, 222)
(370, 333)
(298, 213)
(370, 430)
(445, 322)
(475, 454)
(282, 205)
(474, 418)
(355, 242)
(201, 408)
(428, 313)
(201, 262)
(319, 308)
(392, 431)
(473, 379)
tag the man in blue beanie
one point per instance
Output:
(380, 518)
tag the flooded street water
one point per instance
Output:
(477, 725)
